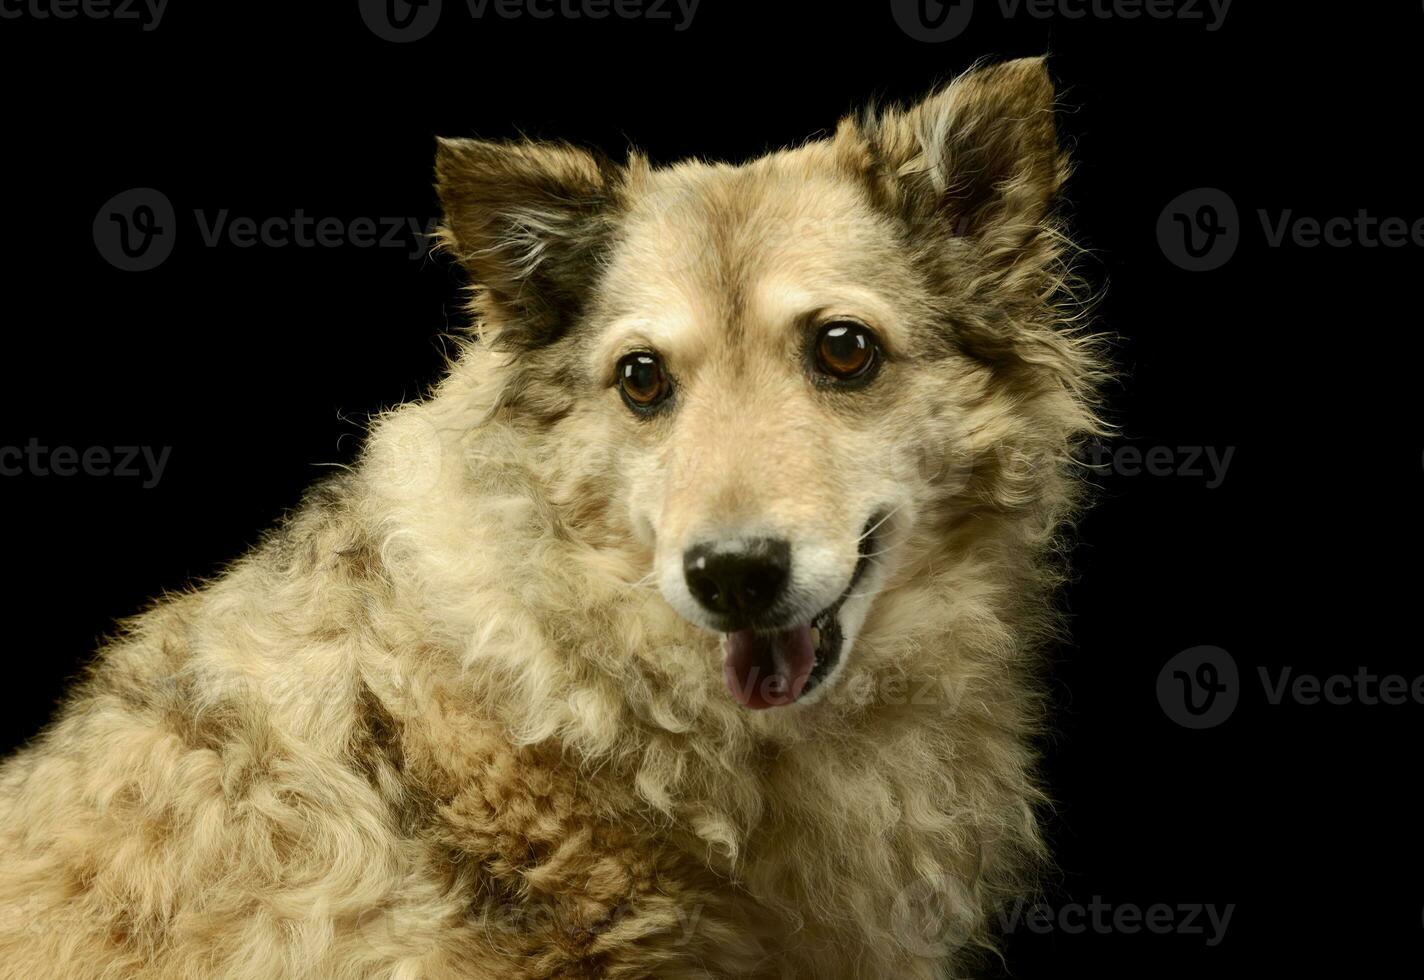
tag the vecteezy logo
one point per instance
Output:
(1199, 230)
(134, 231)
(1199, 688)
(932, 20)
(400, 20)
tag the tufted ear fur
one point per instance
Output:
(529, 222)
(977, 161)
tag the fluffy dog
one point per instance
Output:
(688, 629)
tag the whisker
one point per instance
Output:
(889, 514)
(877, 554)
(644, 582)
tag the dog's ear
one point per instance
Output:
(978, 159)
(528, 221)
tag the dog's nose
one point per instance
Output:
(742, 582)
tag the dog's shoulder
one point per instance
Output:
(557, 862)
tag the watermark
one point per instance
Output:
(1207, 920)
(864, 689)
(944, 20)
(1206, 463)
(37, 917)
(385, 928)
(403, 21)
(1201, 229)
(1211, 14)
(1360, 687)
(148, 14)
(953, 459)
(144, 463)
(400, 21)
(680, 247)
(934, 916)
(135, 231)
(407, 460)
(1201, 687)
(1359, 230)
(933, 20)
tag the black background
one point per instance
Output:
(258, 365)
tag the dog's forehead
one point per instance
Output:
(741, 247)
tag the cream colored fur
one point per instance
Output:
(445, 723)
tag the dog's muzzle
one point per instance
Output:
(769, 665)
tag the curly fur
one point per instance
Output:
(441, 724)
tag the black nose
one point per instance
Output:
(740, 583)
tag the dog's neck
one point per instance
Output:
(556, 637)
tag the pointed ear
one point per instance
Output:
(528, 221)
(979, 158)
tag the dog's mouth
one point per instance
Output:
(771, 668)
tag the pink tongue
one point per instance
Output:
(765, 670)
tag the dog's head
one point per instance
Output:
(772, 376)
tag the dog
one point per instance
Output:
(690, 627)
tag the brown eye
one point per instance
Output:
(846, 350)
(643, 382)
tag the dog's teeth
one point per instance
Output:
(815, 637)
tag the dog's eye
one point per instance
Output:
(642, 381)
(846, 350)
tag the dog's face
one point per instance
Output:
(755, 337)
(777, 371)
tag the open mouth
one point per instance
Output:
(770, 668)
